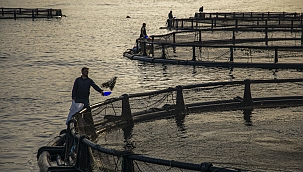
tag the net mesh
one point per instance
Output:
(151, 102)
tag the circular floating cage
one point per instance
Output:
(219, 126)
(252, 39)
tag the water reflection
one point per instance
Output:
(247, 116)
(127, 133)
(179, 117)
(275, 73)
(164, 68)
(231, 75)
(194, 70)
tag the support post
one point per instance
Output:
(231, 58)
(212, 23)
(83, 162)
(194, 53)
(266, 33)
(247, 99)
(152, 46)
(276, 55)
(69, 140)
(163, 52)
(127, 163)
(237, 24)
(137, 45)
(180, 109)
(292, 26)
(126, 111)
(33, 15)
(174, 41)
(180, 105)
(144, 48)
(192, 24)
(234, 38)
(174, 37)
(15, 15)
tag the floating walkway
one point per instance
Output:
(298, 66)
(252, 40)
(33, 13)
(238, 19)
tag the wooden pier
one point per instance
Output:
(33, 13)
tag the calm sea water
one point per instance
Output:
(40, 59)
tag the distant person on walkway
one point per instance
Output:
(81, 88)
(143, 33)
(170, 19)
(201, 9)
(170, 15)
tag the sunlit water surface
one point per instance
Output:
(40, 59)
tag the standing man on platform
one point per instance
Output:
(143, 33)
(81, 88)
(170, 19)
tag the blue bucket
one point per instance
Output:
(106, 93)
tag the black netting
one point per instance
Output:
(212, 93)
(113, 108)
(105, 162)
(150, 102)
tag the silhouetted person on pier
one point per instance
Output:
(170, 15)
(201, 9)
(143, 33)
(170, 19)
